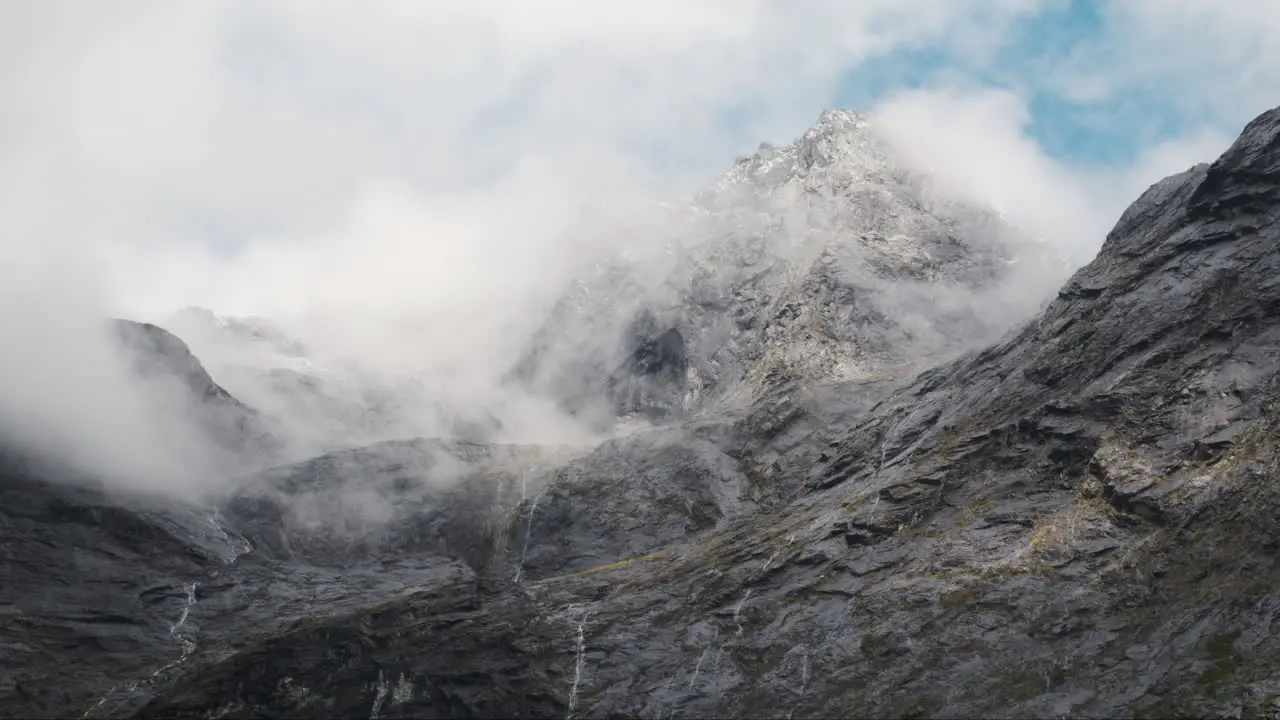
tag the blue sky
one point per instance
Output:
(1110, 132)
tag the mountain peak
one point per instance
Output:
(840, 119)
(822, 260)
(839, 139)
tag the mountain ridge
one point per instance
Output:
(1077, 519)
(826, 243)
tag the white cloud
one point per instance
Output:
(977, 143)
(1216, 62)
(392, 156)
(252, 122)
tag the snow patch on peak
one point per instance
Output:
(840, 119)
(840, 144)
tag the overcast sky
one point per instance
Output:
(271, 156)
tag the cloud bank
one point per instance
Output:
(353, 167)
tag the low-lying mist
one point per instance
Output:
(69, 390)
(343, 360)
(403, 197)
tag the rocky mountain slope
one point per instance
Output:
(1078, 520)
(825, 260)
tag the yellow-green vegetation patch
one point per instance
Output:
(1224, 660)
(602, 568)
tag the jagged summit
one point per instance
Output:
(843, 175)
(839, 137)
(826, 259)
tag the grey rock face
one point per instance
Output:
(824, 260)
(626, 498)
(391, 500)
(1076, 521)
(91, 587)
(653, 380)
(157, 352)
